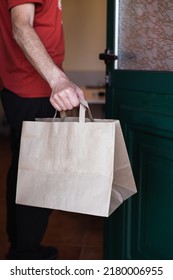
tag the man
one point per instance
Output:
(34, 85)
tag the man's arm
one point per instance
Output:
(65, 95)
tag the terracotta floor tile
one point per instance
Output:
(91, 253)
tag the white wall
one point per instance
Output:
(85, 35)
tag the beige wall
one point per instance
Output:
(85, 34)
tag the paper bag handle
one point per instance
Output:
(82, 110)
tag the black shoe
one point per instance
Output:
(44, 253)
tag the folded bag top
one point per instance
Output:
(74, 164)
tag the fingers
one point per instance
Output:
(80, 93)
(57, 104)
(67, 98)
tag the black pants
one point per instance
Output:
(25, 225)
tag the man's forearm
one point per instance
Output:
(65, 94)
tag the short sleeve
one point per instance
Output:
(13, 3)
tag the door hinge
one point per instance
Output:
(107, 79)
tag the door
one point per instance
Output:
(139, 92)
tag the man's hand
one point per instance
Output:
(65, 95)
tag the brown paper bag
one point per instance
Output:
(74, 165)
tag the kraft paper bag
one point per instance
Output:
(74, 164)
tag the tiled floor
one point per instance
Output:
(76, 236)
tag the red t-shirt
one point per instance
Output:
(16, 73)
